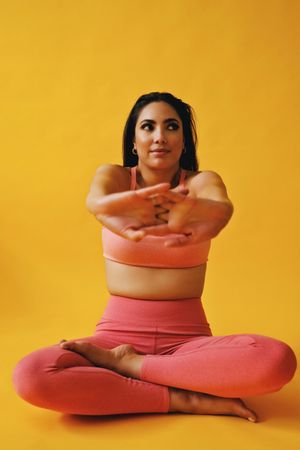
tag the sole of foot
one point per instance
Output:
(122, 359)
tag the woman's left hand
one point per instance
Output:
(180, 211)
(182, 220)
(190, 234)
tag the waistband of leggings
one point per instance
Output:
(155, 312)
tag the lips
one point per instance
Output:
(160, 150)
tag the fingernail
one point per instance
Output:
(251, 420)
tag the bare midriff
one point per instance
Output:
(147, 283)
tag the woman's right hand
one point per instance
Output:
(126, 213)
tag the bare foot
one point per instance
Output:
(122, 359)
(200, 403)
(125, 360)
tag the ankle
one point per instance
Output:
(173, 400)
(129, 365)
(179, 400)
(109, 360)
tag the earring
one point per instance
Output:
(184, 150)
(134, 151)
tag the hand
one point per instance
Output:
(167, 202)
(190, 234)
(185, 226)
(178, 210)
(127, 213)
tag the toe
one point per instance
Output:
(252, 416)
(66, 344)
(243, 411)
(80, 347)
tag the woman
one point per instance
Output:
(153, 349)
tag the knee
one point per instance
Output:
(26, 376)
(29, 374)
(279, 364)
(34, 374)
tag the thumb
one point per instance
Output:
(181, 190)
(157, 230)
(133, 235)
(177, 241)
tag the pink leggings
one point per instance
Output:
(180, 352)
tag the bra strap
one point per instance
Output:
(133, 178)
(182, 177)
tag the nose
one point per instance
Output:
(159, 136)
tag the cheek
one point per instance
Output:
(176, 137)
(177, 141)
(142, 138)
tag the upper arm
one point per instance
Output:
(109, 178)
(209, 185)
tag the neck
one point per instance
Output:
(147, 176)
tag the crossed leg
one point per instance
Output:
(203, 376)
(237, 365)
(68, 382)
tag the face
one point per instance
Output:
(159, 128)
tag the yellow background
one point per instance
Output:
(70, 73)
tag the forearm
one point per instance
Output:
(196, 232)
(209, 230)
(206, 210)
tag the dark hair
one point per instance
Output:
(188, 160)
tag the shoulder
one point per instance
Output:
(207, 184)
(119, 173)
(203, 178)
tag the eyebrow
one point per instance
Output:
(170, 119)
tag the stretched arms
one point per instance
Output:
(198, 214)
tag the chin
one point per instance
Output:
(162, 164)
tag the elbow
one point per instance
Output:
(224, 211)
(95, 207)
(217, 227)
(227, 214)
(223, 218)
(228, 211)
(88, 204)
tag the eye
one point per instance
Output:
(146, 125)
(174, 125)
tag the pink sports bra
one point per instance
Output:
(150, 251)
